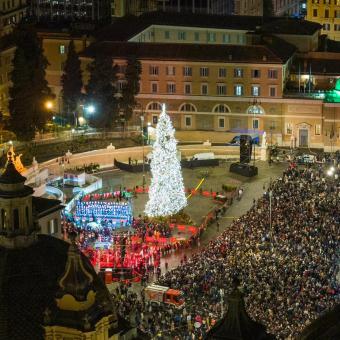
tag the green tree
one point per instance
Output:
(29, 91)
(131, 87)
(101, 91)
(71, 81)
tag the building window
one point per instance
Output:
(211, 37)
(62, 49)
(187, 71)
(204, 89)
(222, 72)
(154, 70)
(241, 39)
(181, 35)
(16, 219)
(27, 216)
(255, 90)
(154, 119)
(289, 128)
(272, 91)
(337, 13)
(255, 124)
(187, 107)
(187, 121)
(221, 122)
(226, 38)
(154, 87)
(170, 70)
(3, 219)
(255, 110)
(53, 226)
(238, 73)
(197, 36)
(221, 89)
(151, 35)
(326, 27)
(204, 72)
(171, 87)
(317, 129)
(167, 35)
(326, 13)
(272, 74)
(187, 88)
(315, 12)
(238, 90)
(337, 26)
(221, 108)
(255, 73)
(154, 106)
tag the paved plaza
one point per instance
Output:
(199, 206)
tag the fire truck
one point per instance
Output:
(160, 294)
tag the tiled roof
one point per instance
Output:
(189, 52)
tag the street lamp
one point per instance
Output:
(49, 105)
(90, 109)
(254, 108)
(143, 167)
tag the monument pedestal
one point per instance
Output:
(263, 154)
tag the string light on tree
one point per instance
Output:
(166, 194)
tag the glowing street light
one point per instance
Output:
(49, 105)
(91, 109)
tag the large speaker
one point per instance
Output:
(245, 148)
(243, 169)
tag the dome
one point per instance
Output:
(29, 284)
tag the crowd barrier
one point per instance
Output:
(131, 167)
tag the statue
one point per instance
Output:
(264, 140)
(16, 159)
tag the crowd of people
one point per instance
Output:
(285, 251)
(143, 228)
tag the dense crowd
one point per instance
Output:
(143, 228)
(287, 267)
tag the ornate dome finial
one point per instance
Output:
(76, 284)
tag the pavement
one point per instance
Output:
(199, 206)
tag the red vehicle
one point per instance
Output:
(161, 294)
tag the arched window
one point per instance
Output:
(187, 107)
(3, 219)
(27, 216)
(221, 108)
(16, 219)
(255, 110)
(154, 106)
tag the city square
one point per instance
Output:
(169, 170)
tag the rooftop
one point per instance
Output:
(45, 206)
(290, 26)
(125, 28)
(192, 52)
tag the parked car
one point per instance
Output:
(236, 140)
(306, 158)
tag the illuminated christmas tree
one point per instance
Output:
(166, 193)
